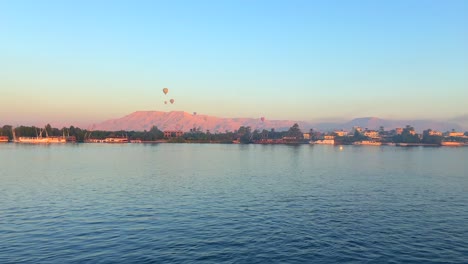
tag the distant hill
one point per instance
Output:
(179, 120)
(419, 125)
(461, 120)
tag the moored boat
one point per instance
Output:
(451, 144)
(39, 139)
(368, 143)
(116, 140)
(4, 139)
(325, 142)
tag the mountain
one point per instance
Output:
(179, 120)
(376, 123)
(462, 121)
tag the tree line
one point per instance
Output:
(80, 134)
(244, 134)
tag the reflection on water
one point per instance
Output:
(232, 203)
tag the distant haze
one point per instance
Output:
(179, 120)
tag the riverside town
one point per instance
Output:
(403, 137)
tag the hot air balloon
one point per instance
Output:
(262, 118)
(194, 113)
(172, 101)
(165, 90)
(165, 102)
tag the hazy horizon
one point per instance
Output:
(461, 121)
(82, 63)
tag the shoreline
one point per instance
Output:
(233, 143)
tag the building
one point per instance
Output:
(173, 133)
(434, 133)
(356, 129)
(454, 134)
(306, 135)
(371, 134)
(340, 133)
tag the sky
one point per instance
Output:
(81, 62)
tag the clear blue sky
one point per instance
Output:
(86, 61)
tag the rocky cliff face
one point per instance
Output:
(179, 120)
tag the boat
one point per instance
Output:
(32, 140)
(57, 139)
(39, 139)
(4, 139)
(116, 140)
(93, 140)
(451, 144)
(368, 143)
(325, 142)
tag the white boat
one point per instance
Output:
(32, 140)
(116, 140)
(325, 142)
(39, 139)
(368, 143)
(451, 144)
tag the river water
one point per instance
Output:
(214, 203)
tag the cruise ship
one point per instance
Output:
(324, 142)
(116, 140)
(327, 140)
(451, 144)
(108, 140)
(368, 143)
(39, 139)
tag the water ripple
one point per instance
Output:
(174, 203)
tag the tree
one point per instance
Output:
(155, 133)
(245, 134)
(48, 130)
(295, 131)
(381, 130)
(6, 130)
(407, 136)
(428, 139)
(359, 137)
